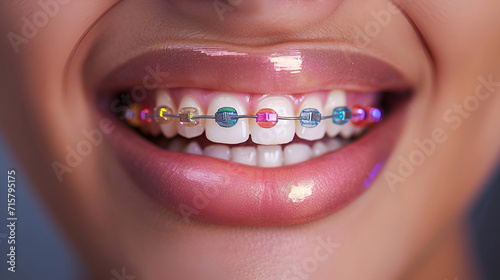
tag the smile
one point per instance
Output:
(286, 137)
(226, 126)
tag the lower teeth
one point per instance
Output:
(255, 155)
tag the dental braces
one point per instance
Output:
(266, 118)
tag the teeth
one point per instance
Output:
(233, 135)
(319, 149)
(218, 151)
(270, 152)
(269, 156)
(193, 131)
(297, 153)
(244, 155)
(336, 98)
(283, 132)
(334, 144)
(163, 99)
(262, 156)
(347, 130)
(193, 148)
(314, 133)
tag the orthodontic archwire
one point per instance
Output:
(227, 117)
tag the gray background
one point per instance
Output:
(43, 252)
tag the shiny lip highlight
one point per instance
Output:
(222, 192)
(274, 71)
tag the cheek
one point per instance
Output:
(458, 31)
(41, 36)
(46, 27)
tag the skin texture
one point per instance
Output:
(395, 230)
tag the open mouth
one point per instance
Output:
(265, 138)
(238, 138)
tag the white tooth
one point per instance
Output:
(193, 148)
(283, 131)
(228, 135)
(244, 155)
(191, 131)
(269, 156)
(218, 151)
(336, 98)
(297, 153)
(319, 148)
(347, 130)
(177, 145)
(163, 99)
(334, 144)
(314, 133)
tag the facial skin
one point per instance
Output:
(397, 229)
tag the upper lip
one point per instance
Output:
(284, 69)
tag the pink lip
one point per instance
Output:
(278, 71)
(223, 192)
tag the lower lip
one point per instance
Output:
(222, 192)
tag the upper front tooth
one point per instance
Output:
(311, 133)
(163, 98)
(191, 131)
(229, 135)
(336, 98)
(283, 131)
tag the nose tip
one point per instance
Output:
(262, 15)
